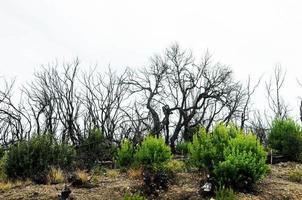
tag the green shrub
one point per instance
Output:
(206, 149)
(153, 151)
(2, 152)
(202, 151)
(63, 156)
(225, 194)
(175, 166)
(125, 154)
(3, 160)
(98, 170)
(244, 162)
(295, 175)
(33, 158)
(152, 155)
(285, 136)
(231, 157)
(182, 148)
(93, 149)
(135, 196)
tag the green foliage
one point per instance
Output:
(225, 194)
(135, 196)
(153, 151)
(93, 149)
(202, 151)
(182, 148)
(244, 162)
(2, 152)
(285, 136)
(295, 175)
(29, 159)
(3, 160)
(175, 166)
(206, 150)
(230, 156)
(153, 154)
(125, 154)
(98, 170)
(63, 156)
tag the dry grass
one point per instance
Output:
(6, 185)
(113, 173)
(96, 179)
(295, 175)
(55, 176)
(82, 175)
(134, 173)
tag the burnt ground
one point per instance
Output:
(276, 186)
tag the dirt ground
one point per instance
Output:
(275, 186)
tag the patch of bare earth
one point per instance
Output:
(274, 187)
(277, 186)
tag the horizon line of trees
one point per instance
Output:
(171, 97)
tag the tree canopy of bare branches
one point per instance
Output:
(171, 97)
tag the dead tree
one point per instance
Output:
(190, 93)
(15, 123)
(105, 102)
(276, 103)
(41, 101)
(249, 91)
(148, 85)
(68, 101)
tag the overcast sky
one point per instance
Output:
(249, 36)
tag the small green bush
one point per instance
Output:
(244, 162)
(295, 175)
(2, 152)
(206, 149)
(285, 136)
(3, 160)
(152, 155)
(182, 148)
(63, 156)
(202, 151)
(153, 151)
(175, 166)
(98, 170)
(225, 194)
(33, 158)
(135, 196)
(125, 154)
(230, 156)
(93, 149)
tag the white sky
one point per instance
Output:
(249, 36)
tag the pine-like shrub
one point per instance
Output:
(63, 156)
(2, 152)
(225, 194)
(3, 160)
(93, 149)
(33, 158)
(230, 156)
(152, 155)
(244, 162)
(182, 148)
(285, 136)
(153, 151)
(206, 149)
(125, 154)
(175, 166)
(202, 151)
